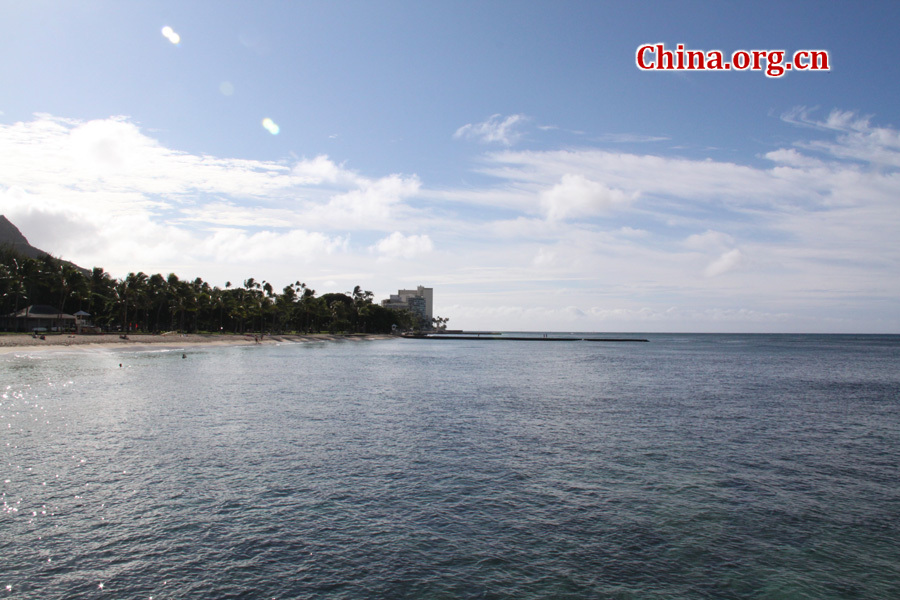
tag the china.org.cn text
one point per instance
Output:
(775, 63)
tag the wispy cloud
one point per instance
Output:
(859, 140)
(728, 261)
(370, 205)
(709, 240)
(496, 130)
(398, 245)
(629, 138)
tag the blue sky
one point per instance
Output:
(509, 154)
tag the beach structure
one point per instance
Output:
(39, 317)
(83, 323)
(419, 302)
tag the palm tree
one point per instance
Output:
(14, 274)
(102, 296)
(132, 288)
(203, 302)
(360, 300)
(68, 280)
(33, 278)
(285, 303)
(157, 292)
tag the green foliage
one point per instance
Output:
(154, 303)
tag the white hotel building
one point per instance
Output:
(419, 301)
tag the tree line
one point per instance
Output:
(157, 303)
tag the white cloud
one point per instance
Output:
(577, 196)
(104, 193)
(720, 244)
(372, 205)
(524, 228)
(495, 130)
(103, 159)
(812, 233)
(792, 158)
(110, 167)
(820, 224)
(631, 232)
(837, 120)
(630, 138)
(726, 262)
(709, 240)
(223, 213)
(636, 318)
(544, 258)
(859, 140)
(398, 245)
(319, 170)
(234, 245)
(640, 175)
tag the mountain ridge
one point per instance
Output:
(11, 237)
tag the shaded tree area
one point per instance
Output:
(157, 303)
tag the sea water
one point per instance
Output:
(692, 466)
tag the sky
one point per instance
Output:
(509, 154)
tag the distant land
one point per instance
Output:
(142, 303)
(11, 237)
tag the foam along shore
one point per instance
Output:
(13, 342)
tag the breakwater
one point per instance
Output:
(525, 338)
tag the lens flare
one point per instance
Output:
(226, 88)
(271, 126)
(170, 35)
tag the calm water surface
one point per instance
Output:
(694, 466)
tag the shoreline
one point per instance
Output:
(17, 342)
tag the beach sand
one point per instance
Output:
(16, 342)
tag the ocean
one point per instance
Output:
(691, 466)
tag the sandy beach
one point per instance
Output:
(14, 342)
